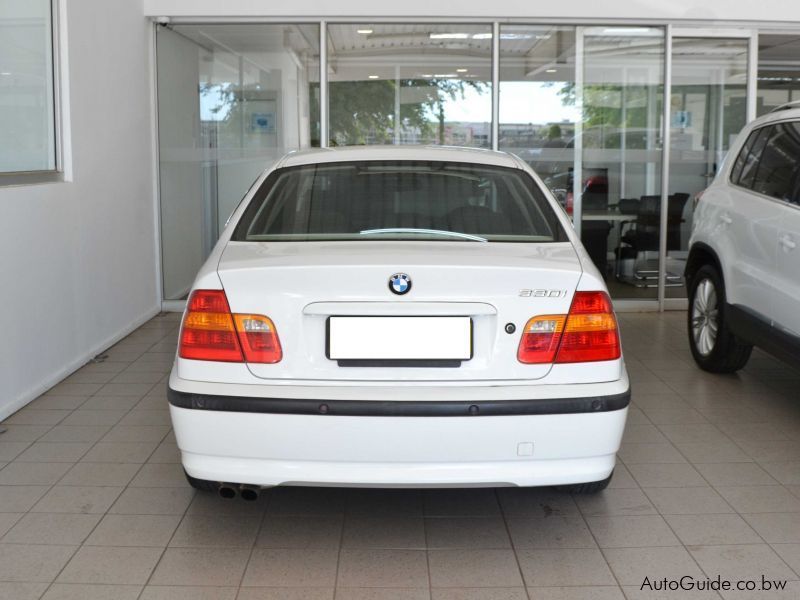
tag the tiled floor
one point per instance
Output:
(93, 503)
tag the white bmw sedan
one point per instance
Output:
(398, 316)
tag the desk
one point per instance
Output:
(595, 233)
(603, 215)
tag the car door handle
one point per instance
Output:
(725, 218)
(787, 242)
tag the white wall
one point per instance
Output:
(78, 259)
(782, 11)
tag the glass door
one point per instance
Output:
(232, 99)
(708, 106)
(616, 187)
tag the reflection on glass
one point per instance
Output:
(778, 71)
(409, 84)
(537, 102)
(232, 99)
(618, 198)
(708, 108)
(27, 120)
(593, 136)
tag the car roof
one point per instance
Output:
(432, 153)
(783, 113)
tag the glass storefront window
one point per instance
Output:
(537, 108)
(232, 99)
(619, 195)
(590, 125)
(708, 108)
(393, 83)
(583, 105)
(778, 70)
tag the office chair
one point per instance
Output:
(643, 236)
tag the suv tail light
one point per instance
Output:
(588, 333)
(211, 332)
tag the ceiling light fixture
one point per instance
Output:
(461, 70)
(373, 76)
(449, 36)
(364, 31)
(551, 71)
(482, 36)
(515, 36)
(623, 31)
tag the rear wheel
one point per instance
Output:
(201, 484)
(591, 487)
(713, 346)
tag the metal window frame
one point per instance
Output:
(495, 125)
(666, 146)
(323, 85)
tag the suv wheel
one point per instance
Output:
(714, 347)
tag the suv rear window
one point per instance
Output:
(409, 200)
(744, 169)
(778, 173)
(769, 162)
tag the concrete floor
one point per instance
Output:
(93, 503)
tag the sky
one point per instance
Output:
(520, 102)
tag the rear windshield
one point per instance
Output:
(372, 200)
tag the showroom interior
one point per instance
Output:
(131, 131)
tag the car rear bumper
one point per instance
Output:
(380, 443)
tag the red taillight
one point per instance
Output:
(211, 332)
(588, 333)
(259, 339)
(540, 339)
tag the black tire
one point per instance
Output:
(201, 484)
(591, 487)
(726, 353)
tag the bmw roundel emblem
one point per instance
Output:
(400, 283)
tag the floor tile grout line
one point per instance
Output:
(253, 545)
(686, 549)
(427, 549)
(100, 520)
(101, 439)
(504, 516)
(600, 549)
(345, 512)
(167, 545)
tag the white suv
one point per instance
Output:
(743, 269)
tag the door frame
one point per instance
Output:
(672, 32)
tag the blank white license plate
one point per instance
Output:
(399, 338)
